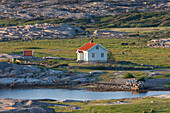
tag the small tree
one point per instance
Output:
(129, 75)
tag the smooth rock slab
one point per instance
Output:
(28, 106)
(16, 72)
(29, 110)
(80, 80)
(55, 71)
(4, 65)
(7, 80)
(21, 80)
(31, 80)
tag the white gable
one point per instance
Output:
(98, 45)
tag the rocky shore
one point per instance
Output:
(19, 76)
(42, 105)
(13, 75)
(29, 106)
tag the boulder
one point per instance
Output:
(55, 72)
(29, 103)
(97, 72)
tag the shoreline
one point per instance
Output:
(74, 87)
(9, 105)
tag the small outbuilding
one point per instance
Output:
(92, 52)
(28, 52)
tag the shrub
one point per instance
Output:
(15, 62)
(141, 79)
(129, 75)
(124, 44)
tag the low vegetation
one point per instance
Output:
(134, 19)
(129, 75)
(128, 20)
(141, 79)
(137, 53)
(142, 105)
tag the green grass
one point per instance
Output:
(138, 53)
(137, 74)
(167, 84)
(134, 106)
(16, 22)
(135, 19)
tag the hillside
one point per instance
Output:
(133, 19)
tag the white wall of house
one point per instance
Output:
(80, 56)
(97, 53)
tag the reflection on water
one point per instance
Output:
(61, 94)
(137, 92)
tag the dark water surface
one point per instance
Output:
(62, 94)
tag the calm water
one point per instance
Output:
(61, 94)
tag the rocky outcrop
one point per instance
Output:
(28, 9)
(39, 31)
(30, 106)
(162, 43)
(3, 66)
(13, 75)
(28, 110)
(23, 106)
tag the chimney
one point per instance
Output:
(91, 41)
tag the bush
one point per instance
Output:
(129, 75)
(141, 79)
(15, 62)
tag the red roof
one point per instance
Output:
(87, 46)
(28, 53)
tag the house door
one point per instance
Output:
(82, 56)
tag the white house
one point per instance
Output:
(92, 52)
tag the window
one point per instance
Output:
(102, 54)
(97, 47)
(93, 55)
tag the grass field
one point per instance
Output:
(159, 105)
(138, 53)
